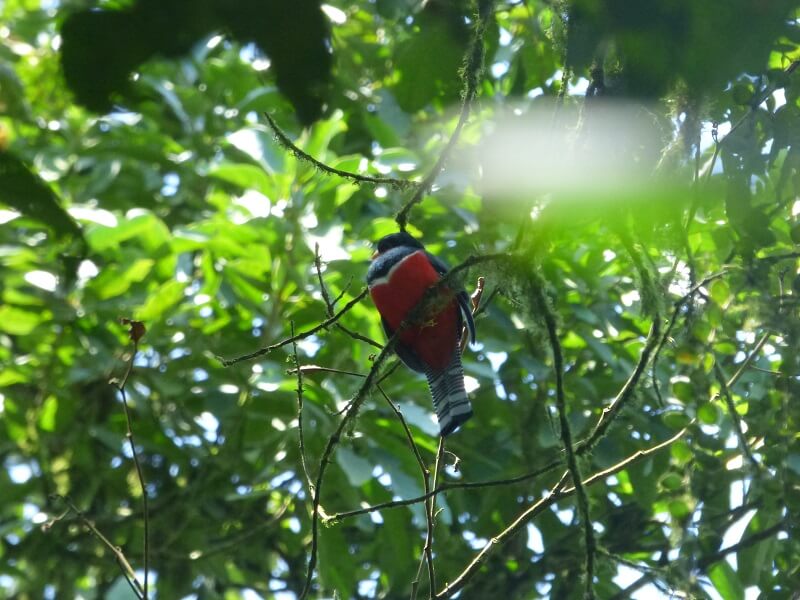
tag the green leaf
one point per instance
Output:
(17, 321)
(720, 291)
(396, 548)
(726, 581)
(671, 482)
(357, 469)
(247, 177)
(101, 237)
(10, 376)
(679, 509)
(708, 413)
(12, 94)
(681, 452)
(754, 562)
(47, 416)
(166, 296)
(427, 61)
(24, 191)
(336, 567)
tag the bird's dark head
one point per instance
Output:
(397, 240)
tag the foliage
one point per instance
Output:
(657, 266)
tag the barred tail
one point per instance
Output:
(449, 396)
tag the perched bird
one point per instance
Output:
(400, 274)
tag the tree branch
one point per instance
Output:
(136, 331)
(751, 540)
(737, 420)
(718, 146)
(430, 514)
(122, 561)
(299, 373)
(611, 412)
(358, 179)
(227, 362)
(427, 555)
(329, 306)
(566, 434)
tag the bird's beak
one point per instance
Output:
(374, 255)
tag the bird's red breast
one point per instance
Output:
(399, 291)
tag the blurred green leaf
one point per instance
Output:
(17, 321)
(726, 581)
(24, 191)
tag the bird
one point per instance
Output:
(398, 277)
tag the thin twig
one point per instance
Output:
(748, 359)
(611, 412)
(425, 482)
(299, 373)
(329, 305)
(483, 307)
(122, 561)
(626, 593)
(227, 362)
(409, 436)
(319, 369)
(327, 456)
(650, 575)
(566, 435)
(322, 287)
(430, 518)
(357, 178)
(750, 540)
(737, 419)
(679, 304)
(136, 331)
(223, 545)
(473, 65)
(341, 294)
(445, 487)
(774, 258)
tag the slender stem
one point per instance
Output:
(430, 517)
(357, 178)
(301, 437)
(611, 412)
(139, 473)
(744, 543)
(227, 362)
(122, 561)
(737, 420)
(679, 304)
(746, 362)
(566, 436)
(329, 305)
